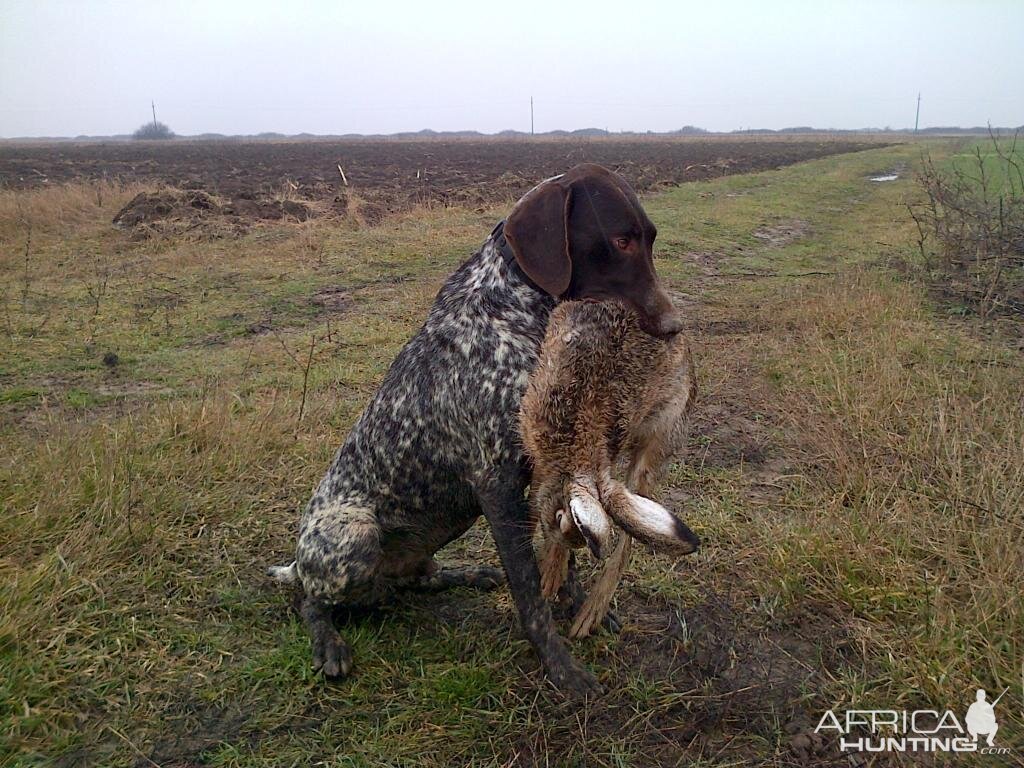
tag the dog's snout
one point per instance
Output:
(658, 315)
(668, 326)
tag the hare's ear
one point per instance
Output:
(537, 230)
(648, 522)
(590, 519)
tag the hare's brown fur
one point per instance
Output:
(605, 398)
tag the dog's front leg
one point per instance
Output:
(501, 494)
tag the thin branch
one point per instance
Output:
(27, 278)
(305, 376)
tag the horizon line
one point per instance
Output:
(685, 131)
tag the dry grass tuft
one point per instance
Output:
(60, 209)
(913, 443)
(971, 224)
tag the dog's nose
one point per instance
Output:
(669, 325)
(663, 326)
(657, 314)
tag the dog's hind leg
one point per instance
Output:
(338, 562)
(331, 654)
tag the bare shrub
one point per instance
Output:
(153, 130)
(971, 225)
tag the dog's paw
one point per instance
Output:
(485, 577)
(331, 655)
(573, 679)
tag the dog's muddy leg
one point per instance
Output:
(502, 498)
(331, 654)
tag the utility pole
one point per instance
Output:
(153, 105)
(918, 115)
(531, 115)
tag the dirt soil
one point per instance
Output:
(388, 176)
(170, 211)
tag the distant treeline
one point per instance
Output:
(686, 130)
(941, 130)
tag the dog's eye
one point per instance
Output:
(622, 243)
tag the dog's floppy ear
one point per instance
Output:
(537, 231)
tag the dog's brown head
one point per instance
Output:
(584, 235)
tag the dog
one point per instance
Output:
(439, 444)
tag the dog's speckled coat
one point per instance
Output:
(402, 485)
(438, 443)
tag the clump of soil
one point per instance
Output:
(174, 211)
(266, 210)
(150, 207)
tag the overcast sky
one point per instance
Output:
(373, 66)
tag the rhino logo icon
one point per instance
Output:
(981, 718)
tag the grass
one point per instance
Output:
(993, 153)
(856, 474)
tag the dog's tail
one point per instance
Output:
(647, 521)
(286, 574)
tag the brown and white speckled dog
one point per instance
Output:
(604, 395)
(439, 445)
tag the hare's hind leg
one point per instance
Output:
(661, 423)
(554, 566)
(545, 510)
(594, 609)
